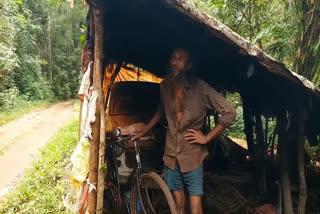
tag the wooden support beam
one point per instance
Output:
(248, 127)
(94, 161)
(260, 136)
(97, 82)
(300, 147)
(261, 169)
(283, 162)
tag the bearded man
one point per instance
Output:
(185, 101)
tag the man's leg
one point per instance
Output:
(194, 183)
(195, 204)
(174, 181)
(180, 200)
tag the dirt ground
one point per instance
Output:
(21, 139)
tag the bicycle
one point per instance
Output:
(149, 193)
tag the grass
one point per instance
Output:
(76, 105)
(44, 187)
(7, 115)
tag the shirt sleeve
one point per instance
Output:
(215, 101)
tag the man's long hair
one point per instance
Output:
(187, 76)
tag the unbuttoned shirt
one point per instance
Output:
(199, 97)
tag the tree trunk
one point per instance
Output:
(283, 159)
(250, 21)
(49, 51)
(308, 57)
(257, 25)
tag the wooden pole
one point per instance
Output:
(261, 170)
(93, 161)
(283, 159)
(248, 127)
(96, 133)
(300, 147)
(259, 135)
(99, 43)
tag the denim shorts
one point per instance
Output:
(191, 181)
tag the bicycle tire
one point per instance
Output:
(162, 185)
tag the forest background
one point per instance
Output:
(41, 43)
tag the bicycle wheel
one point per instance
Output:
(156, 197)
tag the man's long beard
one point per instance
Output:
(177, 85)
(178, 80)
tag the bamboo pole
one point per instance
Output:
(283, 161)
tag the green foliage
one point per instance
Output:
(8, 57)
(276, 26)
(42, 188)
(273, 24)
(237, 129)
(9, 98)
(66, 49)
(314, 152)
(27, 29)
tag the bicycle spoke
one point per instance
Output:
(148, 200)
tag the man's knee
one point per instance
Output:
(179, 199)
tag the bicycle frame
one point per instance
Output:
(115, 173)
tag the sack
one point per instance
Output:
(80, 162)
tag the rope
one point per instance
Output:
(92, 186)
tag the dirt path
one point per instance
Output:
(21, 139)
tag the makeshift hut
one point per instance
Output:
(144, 33)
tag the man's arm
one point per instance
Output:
(155, 119)
(194, 136)
(213, 100)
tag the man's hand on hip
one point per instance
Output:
(194, 136)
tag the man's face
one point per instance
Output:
(179, 61)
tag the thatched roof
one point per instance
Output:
(247, 48)
(144, 33)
